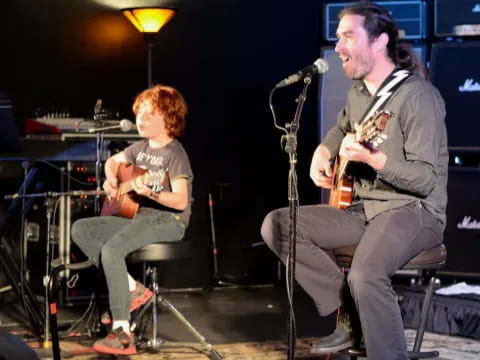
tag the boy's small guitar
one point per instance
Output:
(126, 203)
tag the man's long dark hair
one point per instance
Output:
(377, 20)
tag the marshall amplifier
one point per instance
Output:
(409, 15)
(333, 91)
(453, 17)
(462, 234)
(454, 71)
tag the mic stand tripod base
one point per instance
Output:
(227, 281)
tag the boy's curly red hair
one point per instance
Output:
(169, 102)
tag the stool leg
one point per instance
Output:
(158, 299)
(153, 274)
(424, 314)
(184, 321)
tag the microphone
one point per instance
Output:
(318, 67)
(124, 125)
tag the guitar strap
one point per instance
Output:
(385, 91)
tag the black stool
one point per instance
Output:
(426, 263)
(154, 254)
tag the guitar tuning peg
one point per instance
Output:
(375, 144)
(379, 141)
(384, 136)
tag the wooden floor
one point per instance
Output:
(240, 323)
(449, 347)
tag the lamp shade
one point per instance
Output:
(149, 20)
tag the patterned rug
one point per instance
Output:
(450, 348)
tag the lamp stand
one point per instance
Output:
(150, 44)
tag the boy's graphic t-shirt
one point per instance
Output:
(173, 159)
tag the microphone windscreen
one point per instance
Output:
(321, 65)
(126, 125)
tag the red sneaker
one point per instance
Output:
(138, 297)
(117, 342)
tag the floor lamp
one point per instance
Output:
(149, 21)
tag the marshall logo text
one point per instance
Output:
(468, 223)
(470, 85)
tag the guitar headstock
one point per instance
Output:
(370, 132)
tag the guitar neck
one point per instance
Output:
(342, 166)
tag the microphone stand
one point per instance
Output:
(98, 169)
(99, 116)
(290, 141)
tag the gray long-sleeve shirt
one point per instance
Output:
(416, 149)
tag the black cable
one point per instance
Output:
(22, 238)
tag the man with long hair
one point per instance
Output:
(399, 202)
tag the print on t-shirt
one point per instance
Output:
(153, 160)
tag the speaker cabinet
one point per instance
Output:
(449, 14)
(333, 91)
(462, 234)
(454, 71)
(409, 15)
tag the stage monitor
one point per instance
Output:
(454, 71)
(9, 141)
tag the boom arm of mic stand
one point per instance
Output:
(290, 148)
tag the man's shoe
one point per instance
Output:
(117, 342)
(340, 339)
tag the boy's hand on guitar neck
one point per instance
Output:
(140, 187)
(111, 187)
(320, 169)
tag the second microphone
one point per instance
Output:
(318, 67)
